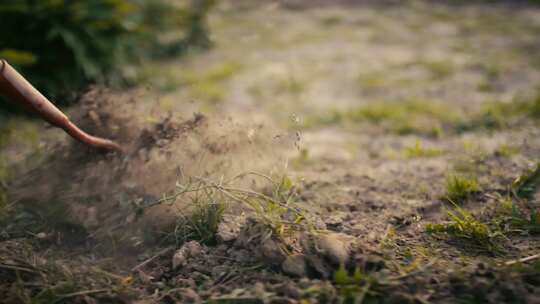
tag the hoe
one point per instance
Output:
(18, 90)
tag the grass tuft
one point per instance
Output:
(201, 223)
(274, 207)
(418, 150)
(460, 187)
(410, 116)
(464, 225)
(526, 185)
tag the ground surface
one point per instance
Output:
(368, 109)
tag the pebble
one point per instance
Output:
(272, 253)
(294, 265)
(188, 250)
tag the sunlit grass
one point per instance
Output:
(402, 117)
(418, 150)
(430, 118)
(460, 187)
(463, 225)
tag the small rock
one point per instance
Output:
(272, 253)
(335, 219)
(335, 246)
(317, 264)
(190, 296)
(295, 265)
(229, 228)
(189, 249)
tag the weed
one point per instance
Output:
(505, 205)
(201, 223)
(418, 150)
(460, 187)
(526, 185)
(519, 220)
(273, 207)
(463, 225)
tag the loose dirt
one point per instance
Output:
(277, 95)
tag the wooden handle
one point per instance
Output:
(18, 90)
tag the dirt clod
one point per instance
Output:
(335, 247)
(188, 250)
(295, 265)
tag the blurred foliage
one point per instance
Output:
(61, 45)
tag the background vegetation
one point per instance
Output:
(61, 45)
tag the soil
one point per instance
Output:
(88, 227)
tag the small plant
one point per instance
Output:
(418, 150)
(460, 187)
(527, 184)
(274, 207)
(463, 225)
(201, 223)
(519, 220)
(370, 286)
(511, 216)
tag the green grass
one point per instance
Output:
(526, 185)
(201, 222)
(210, 85)
(460, 187)
(430, 118)
(463, 225)
(410, 116)
(204, 203)
(513, 219)
(497, 115)
(506, 150)
(530, 223)
(418, 150)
